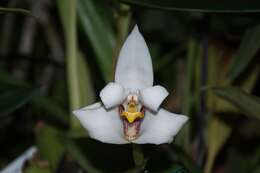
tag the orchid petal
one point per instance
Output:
(101, 124)
(112, 95)
(160, 127)
(18, 164)
(134, 69)
(152, 97)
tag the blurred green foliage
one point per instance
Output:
(206, 54)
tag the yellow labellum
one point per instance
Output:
(131, 114)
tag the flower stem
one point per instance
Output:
(138, 157)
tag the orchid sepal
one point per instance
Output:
(129, 111)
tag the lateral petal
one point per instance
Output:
(112, 95)
(152, 97)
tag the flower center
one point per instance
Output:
(132, 119)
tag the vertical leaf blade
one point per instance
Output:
(217, 135)
(68, 16)
(79, 84)
(248, 104)
(249, 46)
(99, 35)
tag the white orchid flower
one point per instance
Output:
(129, 111)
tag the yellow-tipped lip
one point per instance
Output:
(132, 116)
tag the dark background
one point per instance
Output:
(205, 54)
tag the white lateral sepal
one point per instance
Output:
(17, 165)
(101, 124)
(160, 127)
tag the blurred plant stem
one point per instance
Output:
(139, 159)
(27, 40)
(123, 21)
(187, 105)
(123, 17)
(16, 10)
(192, 46)
(77, 72)
(213, 65)
(7, 30)
(202, 102)
(68, 15)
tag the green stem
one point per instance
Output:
(79, 85)
(123, 21)
(191, 56)
(190, 72)
(138, 157)
(72, 56)
(16, 10)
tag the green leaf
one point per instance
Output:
(139, 160)
(231, 6)
(138, 154)
(99, 34)
(240, 162)
(36, 169)
(248, 104)
(86, 88)
(16, 10)
(37, 98)
(185, 159)
(50, 145)
(86, 93)
(75, 152)
(179, 169)
(192, 53)
(67, 11)
(175, 169)
(78, 78)
(14, 96)
(257, 170)
(52, 108)
(248, 48)
(246, 83)
(218, 133)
